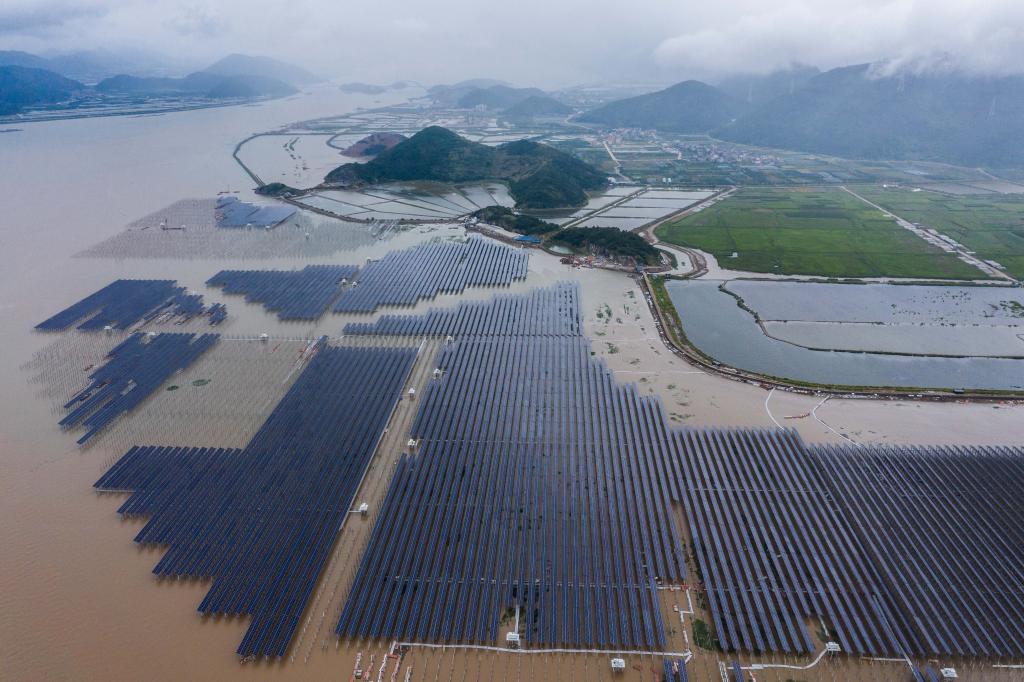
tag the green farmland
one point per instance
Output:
(991, 225)
(824, 232)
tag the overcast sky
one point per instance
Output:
(534, 42)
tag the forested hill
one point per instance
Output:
(851, 112)
(539, 176)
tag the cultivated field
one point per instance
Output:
(991, 225)
(826, 232)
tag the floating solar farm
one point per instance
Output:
(230, 212)
(424, 271)
(135, 368)
(401, 278)
(125, 302)
(188, 229)
(294, 295)
(536, 482)
(261, 521)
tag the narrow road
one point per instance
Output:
(959, 249)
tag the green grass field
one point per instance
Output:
(992, 225)
(824, 232)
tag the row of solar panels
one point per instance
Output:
(261, 521)
(400, 278)
(134, 369)
(125, 302)
(539, 482)
(231, 212)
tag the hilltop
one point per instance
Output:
(22, 86)
(373, 144)
(856, 112)
(687, 107)
(539, 176)
(536, 105)
(200, 83)
(267, 67)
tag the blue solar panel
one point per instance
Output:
(231, 212)
(134, 369)
(125, 302)
(294, 294)
(403, 278)
(532, 487)
(261, 521)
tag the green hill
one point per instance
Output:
(855, 113)
(22, 86)
(539, 176)
(607, 241)
(687, 107)
(497, 97)
(534, 106)
(505, 217)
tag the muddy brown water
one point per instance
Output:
(77, 597)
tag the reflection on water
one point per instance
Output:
(714, 322)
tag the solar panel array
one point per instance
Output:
(551, 311)
(124, 302)
(900, 550)
(675, 670)
(535, 485)
(136, 368)
(261, 521)
(944, 531)
(424, 271)
(294, 294)
(230, 212)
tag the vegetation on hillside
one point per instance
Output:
(607, 241)
(856, 112)
(539, 176)
(506, 218)
(277, 189)
(687, 107)
(534, 106)
(23, 86)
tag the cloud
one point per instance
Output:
(18, 18)
(197, 20)
(757, 37)
(538, 42)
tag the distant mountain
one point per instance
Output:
(539, 176)
(363, 88)
(201, 83)
(449, 95)
(497, 97)
(18, 58)
(373, 144)
(536, 105)
(22, 86)
(267, 67)
(687, 107)
(756, 89)
(853, 112)
(92, 66)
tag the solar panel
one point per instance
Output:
(135, 368)
(125, 302)
(261, 521)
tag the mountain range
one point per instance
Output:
(859, 111)
(29, 80)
